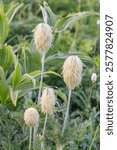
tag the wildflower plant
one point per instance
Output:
(43, 39)
(48, 101)
(72, 75)
(31, 118)
(64, 43)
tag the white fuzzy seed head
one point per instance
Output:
(43, 37)
(93, 77)
(31, 117)
(48, 100)
(72, 72)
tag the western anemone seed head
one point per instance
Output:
(43, 37)
(48, 100)
(31, 117)
(93, 77)
(72, 72)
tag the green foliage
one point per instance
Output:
(3, 86)
(75, 33)
(5, 19)
(4, 26)
(6, 57)
(65, 22)
(48, 15)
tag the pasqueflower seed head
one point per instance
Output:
(72, 72)
(31, 117)
(43, 37)
(48, 100)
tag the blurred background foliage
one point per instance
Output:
(20, 68)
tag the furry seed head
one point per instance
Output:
(72, 72)
(31, 117)
(93, 77)
(43, 37)
(48, 100)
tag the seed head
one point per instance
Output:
(43, 37)
(72, 72)
(98, 22)
(93, 77)
(48, 100)
(31, 117)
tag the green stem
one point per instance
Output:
(45, 124)
(90, 94)
(67, 112)
(79, 5)
(42, 74)
(34, 134)
(24, 53)
(94, 138)
(30, 138)
(43, 133)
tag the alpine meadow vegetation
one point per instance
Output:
(49, 75)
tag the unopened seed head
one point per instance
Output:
(31, 117)
(43, 37)
(48, 100)
(93, 77)
(72, 72)
(98, 22)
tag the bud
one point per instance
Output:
(93, 77)
(72, 72)
(98, 22)
(43, 37)
(31, 117)
(48, 100)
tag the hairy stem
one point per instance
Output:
(67, 113)
(45, 124)
(30, 138)
(34, 134)
(43, 133)
(42, 74)
(89, 98)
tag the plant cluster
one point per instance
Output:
(49, 77)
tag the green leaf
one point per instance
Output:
(26, 84)
(6, 57)
(48, 16)
(37, 73)
(65, 22)
(14, 95)
(59, 58)
(62, 95)
(4, 27)
(4, 91)
(13, 10)
(16, 76)
(31, 60)
(1, 7)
